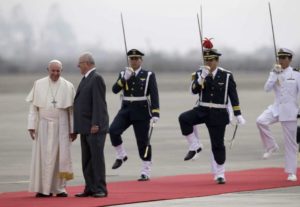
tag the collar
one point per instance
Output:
(87, 73)
(215, 72)
(286, 70)
(137, 71)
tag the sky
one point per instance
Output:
(171, 25)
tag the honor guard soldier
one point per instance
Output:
(285, 82)
(215, 86)
(140, 105)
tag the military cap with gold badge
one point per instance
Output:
(135, 53)
(284, 52)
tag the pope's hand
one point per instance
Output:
(32, 133)
(128, 73)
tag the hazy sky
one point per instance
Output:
(171, 25)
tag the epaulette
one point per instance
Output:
(296, 69)
(193, 76)
(224, 70)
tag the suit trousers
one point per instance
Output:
(93, 162)
(216, 132)
(141, 129)
(289, 135)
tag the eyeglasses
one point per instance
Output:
(82, 62)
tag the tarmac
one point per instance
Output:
(169, 146)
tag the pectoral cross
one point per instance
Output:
(54, 103)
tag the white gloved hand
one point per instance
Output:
(273, 76)
(205, 71)
(154, 119)
(128, 73)
(277, 69)
(240, 120)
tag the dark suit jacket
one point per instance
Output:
(90, 105)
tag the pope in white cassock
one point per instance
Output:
(50, 124)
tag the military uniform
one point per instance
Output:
(286, 85)
(212, 108)
(214, 92)
(140, 102)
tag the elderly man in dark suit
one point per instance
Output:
(91, 122)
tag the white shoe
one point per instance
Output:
(268, 154)
(292, 177)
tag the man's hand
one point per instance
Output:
(128, 73)
(273, 76)
(154, 119)
(72, 137)
(94, 129)
(240, 120)
(277, 69)
(32, 133)
(205, 71)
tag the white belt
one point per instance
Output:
(130, 98)
(213, 105)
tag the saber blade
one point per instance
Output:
(233, 136)
(149, 137)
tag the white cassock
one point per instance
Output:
(284, 109)
(51, 115)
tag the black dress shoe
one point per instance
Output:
(192, 154)
(84, 194)
(41, 195)
(119, 162)
(144, 178)
(220, 180)
(63, 194)
(99, 195)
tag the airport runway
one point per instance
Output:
(169, 146)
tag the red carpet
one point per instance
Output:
(162, 188)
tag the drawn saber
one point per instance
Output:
(273, 33)
(124, 37)
(200, 33)
(233, 136)
(149, 138)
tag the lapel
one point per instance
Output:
(140, 73)
(217, 77)
(83, 82)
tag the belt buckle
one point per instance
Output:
(210, 104)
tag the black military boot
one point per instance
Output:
(119, 162)
(192, 154)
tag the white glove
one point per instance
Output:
(240, 120)
(128, 73)
(154, 119)
(273, 76)
(205, 71)
(277, 69)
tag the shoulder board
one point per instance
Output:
(193, 76)
(224, 70)
(296, 69)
